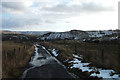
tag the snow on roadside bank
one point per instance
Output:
(101, 73)
(54, 52)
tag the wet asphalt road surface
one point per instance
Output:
(45, 66)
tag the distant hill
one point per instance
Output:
(73, 34)
(81, 35)
(104, 35)
(25, 32)
(9, 32)
(33, 32)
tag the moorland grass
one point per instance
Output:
(101, 55)
(14, 57)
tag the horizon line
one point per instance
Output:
(55, 31)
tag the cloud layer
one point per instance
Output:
(81, 8)
(54, 12)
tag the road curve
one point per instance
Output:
(45, 66)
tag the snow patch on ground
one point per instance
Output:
(76, 63)
(105, 74)
(54, 52)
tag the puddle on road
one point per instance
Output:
(38, 60)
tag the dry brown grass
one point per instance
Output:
(0, 59)
(12, 60)
(92, 52)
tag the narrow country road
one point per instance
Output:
(45, 66)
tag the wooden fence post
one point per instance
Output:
(19, 50)
(75, 49)
(85, 50)
(102, 56)
(24, 47)
(6, 54)
(14, 50)
(118, 52)
(50, 44)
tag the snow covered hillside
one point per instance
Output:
(73, 34)
(101, 33)
(33, 32)
(105, 35)
(81, 35)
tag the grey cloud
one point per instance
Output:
(47, 14)
(67, 22)
(20, 21)
(50, 21)
(84, 7)
(15, 7)
(62, 11)
(56, 16)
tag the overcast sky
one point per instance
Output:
(59, 15)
